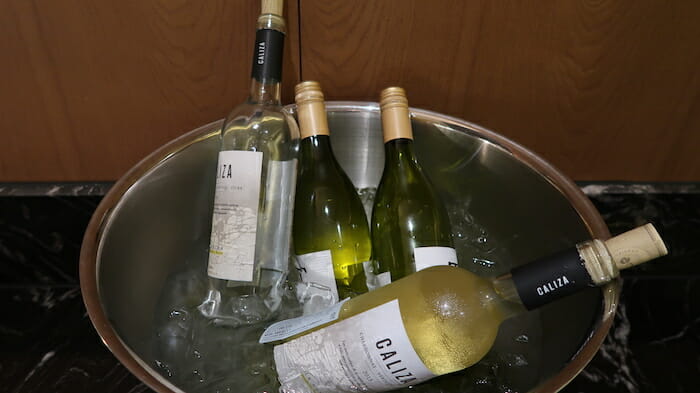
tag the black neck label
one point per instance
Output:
(267, 55)
(550, 278)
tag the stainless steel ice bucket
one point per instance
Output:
(508, 207)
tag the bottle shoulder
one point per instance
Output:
(408, 186)
(261, 128)
(318, 188)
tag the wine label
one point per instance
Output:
(551, 278)
(283, 330)
(317, 268)
(368, 352)
(267, 55)
(426, 257)
(235, 218)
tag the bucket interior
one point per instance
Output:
(504, 212)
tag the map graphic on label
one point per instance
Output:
(369, 351)
(426, 257)
(290, 327)
(235, 218)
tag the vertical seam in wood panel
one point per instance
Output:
(301, 59)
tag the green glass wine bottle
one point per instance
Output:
(410, 227)
(330, 231)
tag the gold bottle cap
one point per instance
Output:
(311, 110)
(396, 120)
(636, 246)
(275, 7)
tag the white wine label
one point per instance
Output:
(235, 218)
(289, 327)
(434, 256)
(317, 268)
(368, 352)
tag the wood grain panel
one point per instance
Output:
(604, 90)
(89, 88)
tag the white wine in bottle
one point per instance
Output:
(330, 231)
(255, 179)
(410, 227)
(438, 320)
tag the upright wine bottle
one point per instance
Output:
(439, 320)
(410, 227)
(330, 231)
(255, 179)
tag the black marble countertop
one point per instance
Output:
(48, 344)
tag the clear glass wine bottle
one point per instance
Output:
(254, 197)
(438, 320)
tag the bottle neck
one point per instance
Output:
(396, 120)
(265, 93)
(398, 153)
(556, 276)
(315, 149)
(505, 297)
(312, 118)
(266, 70)
(589, 264)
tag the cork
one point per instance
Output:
(311, 110)
(636, 246)
(396, 121)
(274, 7)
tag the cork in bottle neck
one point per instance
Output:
(271, 16)
(311, 110)
(396, 121)
(274, 7)
(604, 259)
(636, 246)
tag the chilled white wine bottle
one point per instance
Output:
(410, 227)
(330, 231)
(438, 320)
(255, 180)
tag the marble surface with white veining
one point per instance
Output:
(654, 343)
(47, 343)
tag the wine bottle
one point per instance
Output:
(438, 320)
(330, 231)
(255, 180)
(410, 227)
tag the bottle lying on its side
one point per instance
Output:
(438, 320)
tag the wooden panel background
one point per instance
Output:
(91, 87)
(604, 90)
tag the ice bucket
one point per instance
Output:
(507, 207)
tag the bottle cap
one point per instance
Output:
(274, 7)
(396, 121)
(311, 110)
(636, 246)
